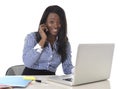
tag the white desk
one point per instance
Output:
(45, 84)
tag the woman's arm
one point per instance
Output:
(67, 64)
(31, 53)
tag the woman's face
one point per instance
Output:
(53, 24)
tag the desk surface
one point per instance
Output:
(45, 84)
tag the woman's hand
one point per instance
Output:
(42, 31)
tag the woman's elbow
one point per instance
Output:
(26, 61)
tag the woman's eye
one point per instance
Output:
(51, 21)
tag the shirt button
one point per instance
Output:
(51, 56)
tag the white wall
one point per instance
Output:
(89, 21)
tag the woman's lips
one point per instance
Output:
(55, 30)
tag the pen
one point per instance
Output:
(38, 81)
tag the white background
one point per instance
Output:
(89, 21)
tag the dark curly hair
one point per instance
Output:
(62, 35)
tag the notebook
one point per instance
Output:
(14, 81)
(93, 63)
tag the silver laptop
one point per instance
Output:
(93, 63)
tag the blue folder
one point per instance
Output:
(14, 81)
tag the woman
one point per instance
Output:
(46, 49)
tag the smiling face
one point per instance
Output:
(53, 24)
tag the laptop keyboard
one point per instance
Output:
(68, 79)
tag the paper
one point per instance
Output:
(14, 81)
(29, 78)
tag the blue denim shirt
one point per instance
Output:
(48, 59)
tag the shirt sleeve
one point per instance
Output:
(38, 48)
(67, 64)
(31, 50)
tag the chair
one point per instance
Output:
(15, 70)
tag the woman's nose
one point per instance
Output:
(56, 25)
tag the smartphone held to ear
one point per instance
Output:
(46, 29)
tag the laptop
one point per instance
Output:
(93, 63)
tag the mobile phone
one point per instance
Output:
(46, 30)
